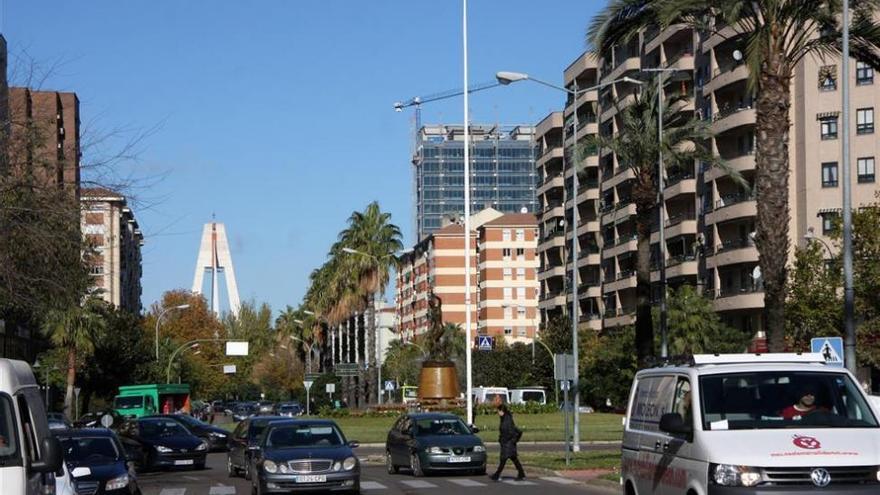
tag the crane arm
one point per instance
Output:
(418, 100)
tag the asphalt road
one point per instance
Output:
(374, 481)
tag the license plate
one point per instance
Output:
(183, 462)
(453, 458)
(311, 478)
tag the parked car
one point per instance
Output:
(426, 442)
(305, 455)
(242, 412)
(491, 395)
(219, 406)
(289, 409)
(530, 394)
(265, 407)
(246, 436)
(57, 421)
(159, 442)
(215, 437)
(96, 462)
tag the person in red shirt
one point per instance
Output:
(804, 406)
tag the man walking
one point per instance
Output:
(508, 437)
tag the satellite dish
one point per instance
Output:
(523, 210)
(737, 55)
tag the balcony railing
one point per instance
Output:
(725, 68)
(624, 239)
(679, 259)
(589, 317)
(727, 111)
(734, 244)
(587, 251)
(552, 204)
(554, 233)
(733, 199)
(678, 56)
(626, 274)
(550, 178)
(605, 208)
(680, 217)
(588, 184)
(677, 177)
(750, 288)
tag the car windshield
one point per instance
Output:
(162, 428)
(783, 399)
(89, 450)
(440, 426)
(129, 402)
(304, 436)
(190, 421)
(289, 408)
(8, 436)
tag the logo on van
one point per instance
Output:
(808, 443)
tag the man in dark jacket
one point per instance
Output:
(508, 436)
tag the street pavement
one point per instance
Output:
(374, 481)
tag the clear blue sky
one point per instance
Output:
(277, 115)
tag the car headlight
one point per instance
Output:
(730, 475)
(284, 468)
(479, 448)
(270, 466)
(218, 435)
(202, 446)
(162, 449)
(434, 450)
(337, 466)
(117, 483)
(349, 463)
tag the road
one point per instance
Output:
(374, 481)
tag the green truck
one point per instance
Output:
(136, 401)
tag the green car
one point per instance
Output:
(433, 442)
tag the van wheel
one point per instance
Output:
(629, 489)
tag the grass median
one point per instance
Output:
(536, 427)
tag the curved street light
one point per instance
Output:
(159, 319)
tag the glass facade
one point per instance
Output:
(503, 174)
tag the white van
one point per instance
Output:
(29, 454)
(746, 423)
(532, 394)
(490, 395)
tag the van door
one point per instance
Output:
(33, 428)
(675, 463)
(12, 460)
(643, 442)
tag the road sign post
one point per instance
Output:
(308, 385)
(831, 349)
(330, 388)
(565, 429)
(563, 371)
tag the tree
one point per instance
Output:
(402, 362)
(776, 35)
(74, 329)
(695, 327)
(813, 306)
(279, 373)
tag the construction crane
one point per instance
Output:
(417, 101)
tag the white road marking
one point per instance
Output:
(173, 491)
(418, 484)
(511, 481)
(372, 485)
(466, 482)
(560, 480)
(222, 490)
(192, 478)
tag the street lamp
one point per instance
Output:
(308, 347)
(811, 236)
(181, 306)
(506, 78)
(37, 366)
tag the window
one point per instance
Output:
(864, 73)
(8, 453)
(829, 127)
(521, 312)
(520, 235)
(506, 253)
(521, 273)
(865, 121)
(520, 254)
(508, 292)
(96, 269)
(829, 174)
(828, 221)
(508, 312)
(866, 169)
(520, 292)
(507, 273)
(521, 331)
(508, 331)
(505, 235)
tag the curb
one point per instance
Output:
(559, 444)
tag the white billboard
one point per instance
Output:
(237, 348)
(229, 369)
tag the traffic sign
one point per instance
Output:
(312, 376)
(563, 367)
(831, 349)
(330, 388)
(106, 421)
(346, 369)
(390, 385)
(485, 342)
(229, 369)
(308, 384)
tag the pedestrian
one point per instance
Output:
(508, 437)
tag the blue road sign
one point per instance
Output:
(831, 348)
(390, 385)
(484, 343)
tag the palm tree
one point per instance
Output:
(74, 329)
(637, 146)
(776, 35)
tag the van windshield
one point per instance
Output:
(532, 396)
(783, 399)
(129, 402)
(8, 438)
(493, 397)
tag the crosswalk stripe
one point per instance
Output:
(514, 482)
(222, 490)
(173, 491)
(418, 484)
(372, 485)
(560, 480)
(466, 482)
(192, 478)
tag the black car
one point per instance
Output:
(216, 438)
(288, 409)
(244, 411)
(304, 455)
(427, 442)
(243, 440)
(159, 442)
(97, 462)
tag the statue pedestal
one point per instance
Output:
(438, 381)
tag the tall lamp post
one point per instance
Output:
(37, 366)
(308, 346)
(506, 78)
(159, 319)
(849, 353)
(811, 236)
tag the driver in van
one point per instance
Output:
(806, 404)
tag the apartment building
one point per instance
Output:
(709, 219)
(115, 265)
(503, 173)
(504, 286)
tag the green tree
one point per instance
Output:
(813, 306)
(775, 36)
(403, 361)
(695, 327)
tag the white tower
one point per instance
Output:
(214, 256)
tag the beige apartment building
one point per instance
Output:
(709, 219)
(504, 286)
(116, 266)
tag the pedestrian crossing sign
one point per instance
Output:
(484, 343)
(831, 348)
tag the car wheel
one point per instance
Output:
(415, 464)
(230, 469)
(256, 488)
(200, 466)
(389, 464)
(481, 471)
(247, 471)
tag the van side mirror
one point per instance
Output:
(51, 459)
(674, 423)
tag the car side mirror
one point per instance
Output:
(51, 459)
(474, 429)
(254, 448)
(354, 444)
(675, 424)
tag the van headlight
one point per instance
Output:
(730, 475)
(270, 466)
(117, 483)
(349, 463)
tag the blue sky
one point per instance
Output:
(277, 115)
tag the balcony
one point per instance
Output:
(627, 62)
(725, 75)
(621, 103)
(621, 211)
(750, 297)
(551, 182)
(682, 265)
(732, 207)
(621, 245)
(741, 163)
(616, 317)
(683, 60)
(548, 154)
(553, 271)
(552, 239)
(732, 118)
(720, 35)
(620, 175)
(733, 252)
(625, 280)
